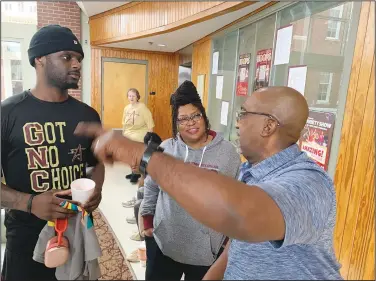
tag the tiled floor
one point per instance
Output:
(116, 189)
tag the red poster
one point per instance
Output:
(263, 67)
(316, 138)
(243, 70)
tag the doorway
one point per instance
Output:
(118, 76)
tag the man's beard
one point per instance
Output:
(58, 80)
(61, 84)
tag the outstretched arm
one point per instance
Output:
(221, 203)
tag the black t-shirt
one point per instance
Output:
(40, 152)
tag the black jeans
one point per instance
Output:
(161, 267)
(21, 266)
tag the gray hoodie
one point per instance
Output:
(178, 235)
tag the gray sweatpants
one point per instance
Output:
(137, 213)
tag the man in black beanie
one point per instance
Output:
(40, 154)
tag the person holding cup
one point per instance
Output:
(82, 190)
(40, 154)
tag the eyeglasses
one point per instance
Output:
(241, 113)
(184, 120)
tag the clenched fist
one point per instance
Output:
(110, 146)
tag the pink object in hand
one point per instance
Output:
(57, 250)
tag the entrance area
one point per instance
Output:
(118, 77)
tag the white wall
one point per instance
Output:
(21, 33)
(86, 65)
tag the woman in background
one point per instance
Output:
(137, 121)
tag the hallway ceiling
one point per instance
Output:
(175, 40)
(91, 8)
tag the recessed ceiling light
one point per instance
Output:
(161, 45)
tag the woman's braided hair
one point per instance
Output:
(186, 94)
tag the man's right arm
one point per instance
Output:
(10, 198)
(13, 199)
(217, 270)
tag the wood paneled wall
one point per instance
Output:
(201, 65)
(355, 172)
(162, 79)
(141, 19)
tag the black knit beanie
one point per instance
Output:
(52, 39)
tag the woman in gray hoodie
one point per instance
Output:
(175, 242)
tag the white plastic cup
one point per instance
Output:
(82, 189)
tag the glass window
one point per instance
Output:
(11, 64)
(24, 12)
(255, 39)
(334, 25)
(320, 38)
(16, 74)
(325, 87)
(226, 46)
(15, 66)
(324, 58)
(322, 33)
(20, 7)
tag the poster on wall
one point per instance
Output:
(215, 63)
(219, 87)
(263, 67)
(201, 85)
(243, 74)
(316, 138)
(297, 76)
(224, 112)
(283, 45)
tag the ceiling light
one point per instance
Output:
(161, 45)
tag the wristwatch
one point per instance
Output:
(150, 149)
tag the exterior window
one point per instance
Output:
(21, 7)
(325, 87)
(11, 74)
(334, 26)
(24, 12)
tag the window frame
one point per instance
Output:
(336, 21)
(328, 89)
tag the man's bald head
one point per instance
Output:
(286, 105)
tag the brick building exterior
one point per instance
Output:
(66, 14)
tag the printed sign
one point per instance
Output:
(263, 67)
(243, 70)
(316, 138)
